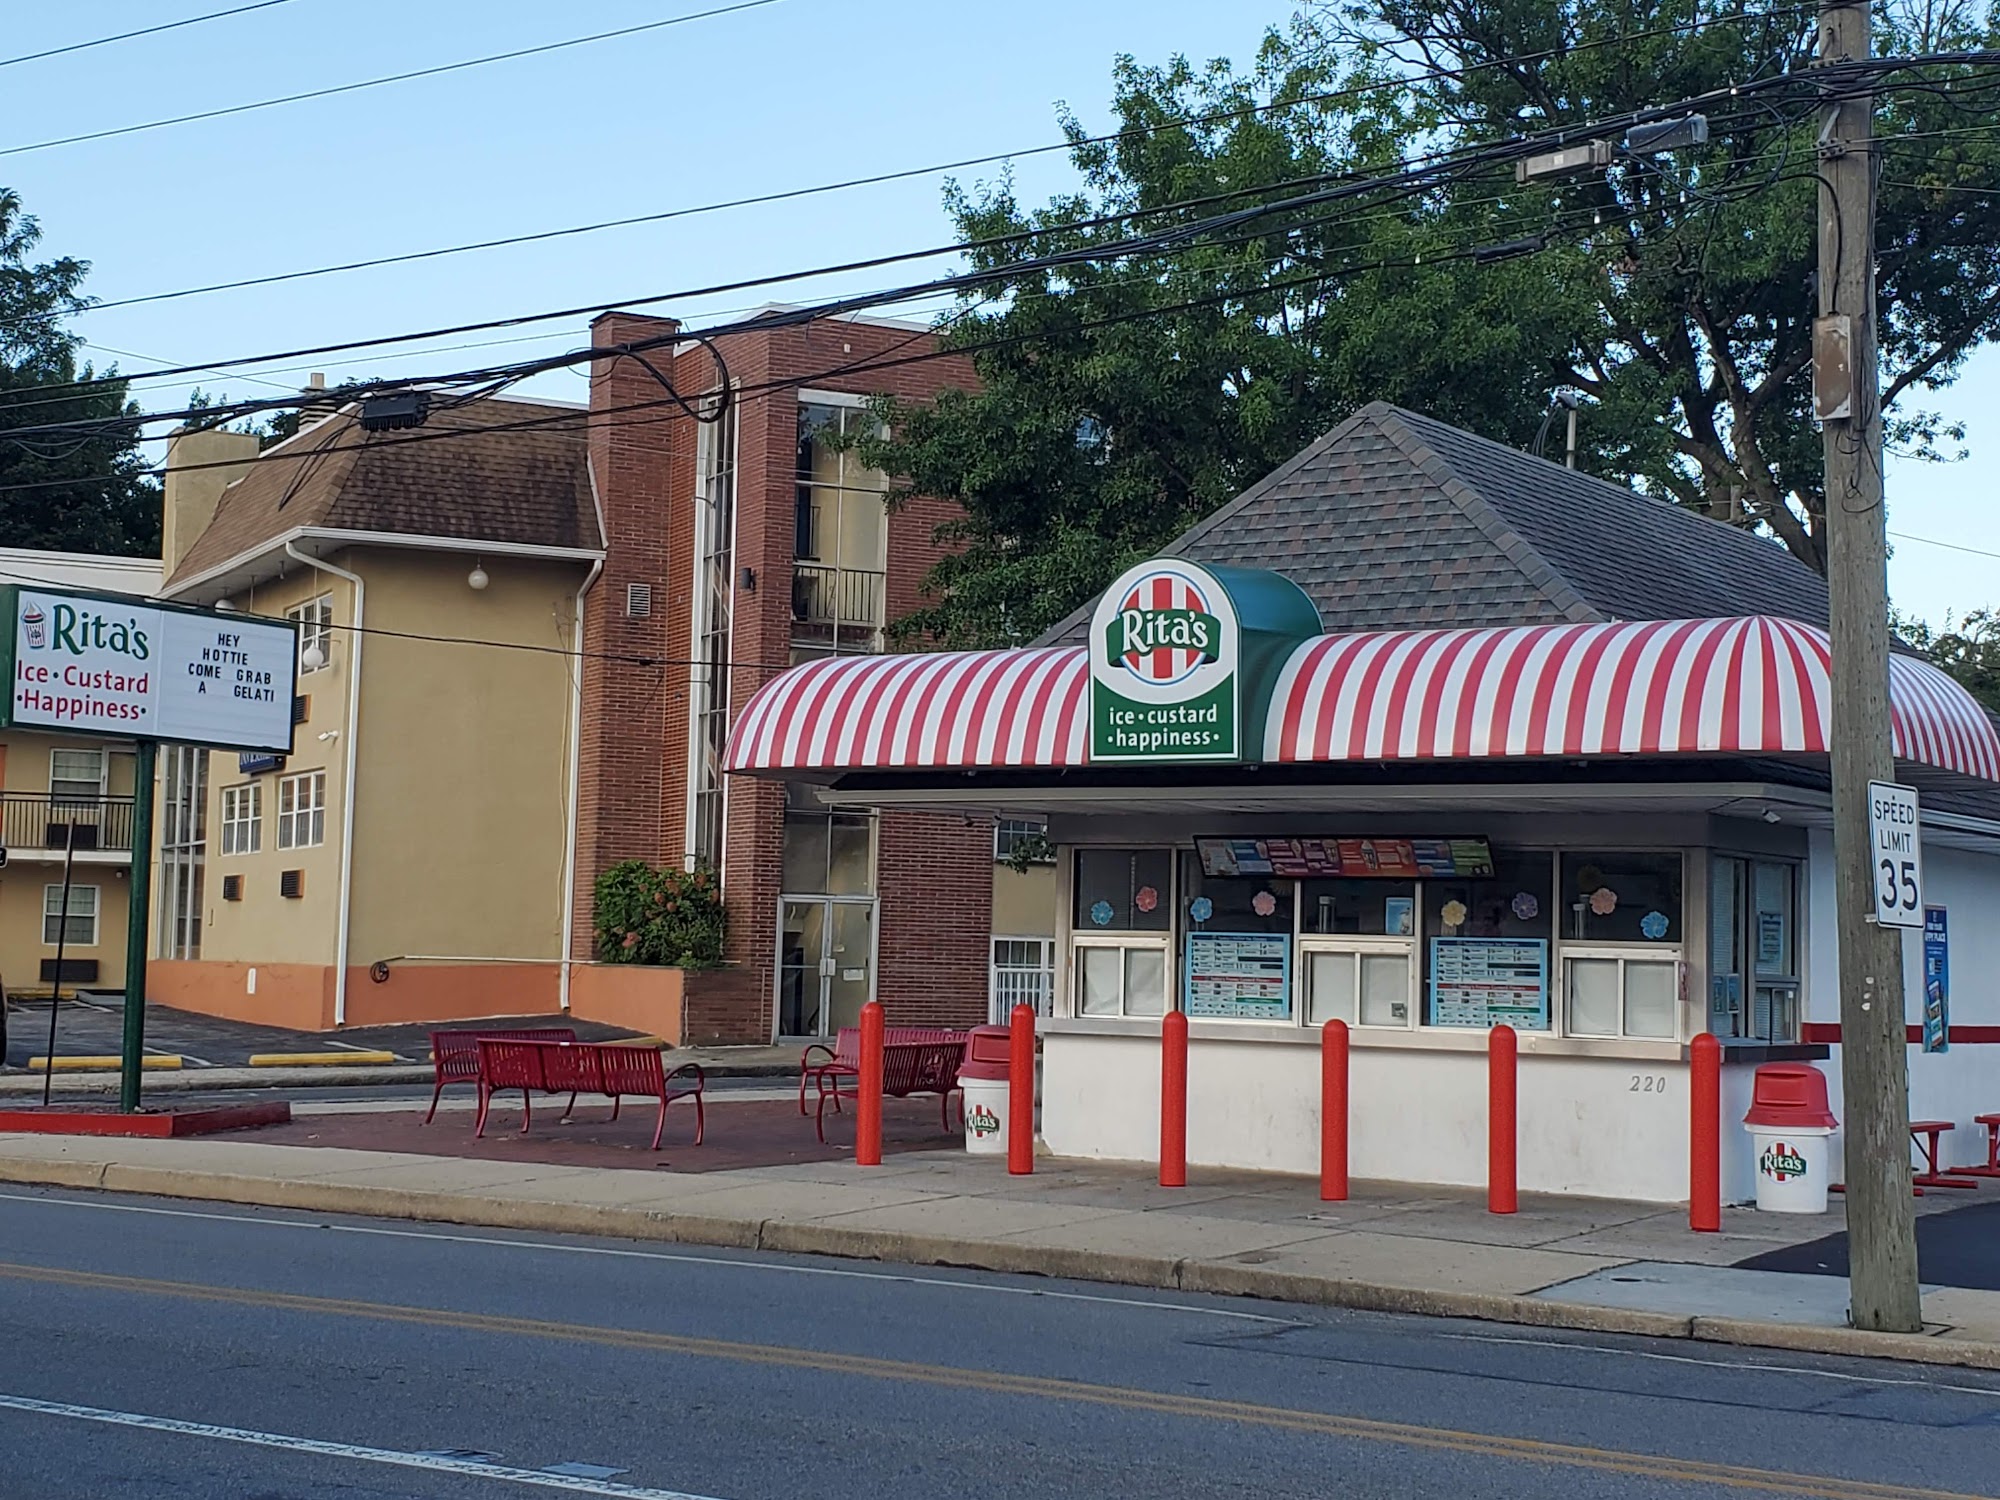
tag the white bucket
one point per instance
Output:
(985, 1116)
(1791, 1167)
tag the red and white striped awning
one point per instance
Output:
(1754, 686)
(943, 709)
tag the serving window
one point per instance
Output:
(1121, 918)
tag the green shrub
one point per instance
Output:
(665, 917)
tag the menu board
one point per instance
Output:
(1241, 975)
(1321, 858)
(1481, 982)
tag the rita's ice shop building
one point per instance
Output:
(1426, 734)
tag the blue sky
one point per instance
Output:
(795, 93)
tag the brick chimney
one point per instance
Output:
(641, 455)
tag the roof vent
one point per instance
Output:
(638, 600)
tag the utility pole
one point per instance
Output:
(1874, 1068)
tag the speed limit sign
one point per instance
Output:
(1898, 852)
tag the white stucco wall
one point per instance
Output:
(1417, 1115)
(1965, 1081)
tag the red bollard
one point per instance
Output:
(1705, 1135)
(868, 1089)
(1021, 1091)
(1502, 1109)
(1173, 1100)
(1333, 1112)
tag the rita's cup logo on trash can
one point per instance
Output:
(1781, 1162)
(982, 1122)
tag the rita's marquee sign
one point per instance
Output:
(1165, 658)
(114, 665)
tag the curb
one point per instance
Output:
(78, 1064)
(1157, 1272)
(323, 1059)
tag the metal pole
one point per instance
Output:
(1333, 1112)
(138, 902)
(1882, 1278)
(1173, 1099)
(868, 1089)
(62, 945)
(1021, 1091)
(1705, 1135)
(1572, 439)
(1502, 1121)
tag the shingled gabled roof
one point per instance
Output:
(494, 471)
(1394, 520)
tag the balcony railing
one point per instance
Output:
(823, 595)
(39, 822)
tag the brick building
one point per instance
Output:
(736, 546)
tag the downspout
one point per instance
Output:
(575, 779)
(352, 735)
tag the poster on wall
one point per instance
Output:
(1481, 982)
(1244, 976)
(1347, 858)
(1937, 981)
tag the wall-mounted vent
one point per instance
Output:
(291, 884)
(302, 707)
(638, 600)
(232, 888)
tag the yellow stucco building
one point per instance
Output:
(410, 859)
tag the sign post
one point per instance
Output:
(138, 903)
(1896, 848)
(120, 667)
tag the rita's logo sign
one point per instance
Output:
(980, 1122)
(1164, 659)
(1781, 1162)
(1164, 632)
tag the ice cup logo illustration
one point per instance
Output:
(35, 627)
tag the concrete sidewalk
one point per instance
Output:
(1570, 1263)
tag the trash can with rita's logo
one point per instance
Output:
(983, 1077)
(1789, 1123)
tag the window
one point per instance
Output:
(1753, 949)
(1514, 902)
(1366, 908)
(82, 916)
(828, 851)
(714, 602)
(1124, 890)
(1011, 834)
(76, 775)
(839, 530)
(242, 818)
(1023, 974)
(315, 621)
(1123, 921)
(302, 810)
(1361, 985)
(183, 843)
(1621, 898)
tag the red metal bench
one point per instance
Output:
(455, 1054)
(843, 1058)
(586, 1068)
(1924, 1136)
(1992, 1166)
(908, 1068)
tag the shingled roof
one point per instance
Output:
(1396, 520)
(511, 471)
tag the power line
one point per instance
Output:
(763, 389)
(126, 36)
(370, 83)
(1469, 157)
(784, 195)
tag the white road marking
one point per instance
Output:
(434, 1462)
(1143, 1303)
(1721, 1364)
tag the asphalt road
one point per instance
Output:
(159, 1349)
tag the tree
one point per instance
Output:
(1123, 399)
(85, 491)
(1967, 649)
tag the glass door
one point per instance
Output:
(826, 963)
